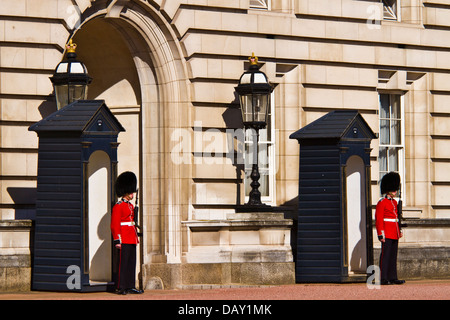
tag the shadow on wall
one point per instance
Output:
(24, 198)
(292, 213)
(235, 149)
(47, 107)
(24, 202)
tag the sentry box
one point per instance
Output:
(77, 167)
(334, 236)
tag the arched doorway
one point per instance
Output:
(138, 69)
(356, 215)
(109, 61)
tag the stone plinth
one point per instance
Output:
(246, 248)
(15, 263)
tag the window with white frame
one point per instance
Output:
(391, 9)
(391, 155)
(260, 4)
(266, 159)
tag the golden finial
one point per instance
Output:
(71, 47)
(253, 60)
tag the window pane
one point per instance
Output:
(247, 182)
(264, 182)
(384, 106)
(249, 135)
(249, 151)
(263, 135)
(395, 132)
(263, 156)
(395, 107)
(383, 159)
(384, 132)
(393, 159)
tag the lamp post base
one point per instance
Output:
(262, 207)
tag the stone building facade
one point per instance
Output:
(167, 70)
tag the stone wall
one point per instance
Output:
(15, 257)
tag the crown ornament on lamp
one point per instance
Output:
(71, 47)
(71, 79)
(253, 59)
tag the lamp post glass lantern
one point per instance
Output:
(254, 92)
(71, 79)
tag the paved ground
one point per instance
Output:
(271, 302)
(411, 290)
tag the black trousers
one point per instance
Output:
(388, 260)
(125, 275)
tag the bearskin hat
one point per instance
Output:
(126, 183)
(390, 182)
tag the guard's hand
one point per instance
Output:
(117, 244)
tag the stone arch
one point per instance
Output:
(164, 107)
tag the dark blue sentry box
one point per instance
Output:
(334, 236)
(77, 167)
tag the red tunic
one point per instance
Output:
(386, 219)
(122, 223)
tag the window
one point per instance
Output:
(391, 9)
(266, 160)
(260, 4)
(391, 156)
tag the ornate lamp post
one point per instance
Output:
(254, 92)
(70, 79)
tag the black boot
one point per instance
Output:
(135, 291)
(396, 281)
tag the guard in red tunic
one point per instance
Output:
(388, 228)
(125, 234)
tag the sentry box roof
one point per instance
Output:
(337, 124)
(80, 116)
